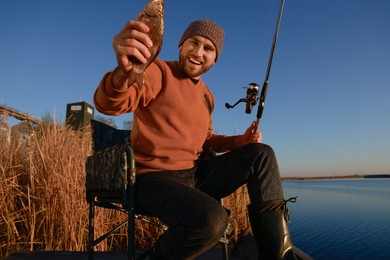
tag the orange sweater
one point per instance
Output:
(172, 117)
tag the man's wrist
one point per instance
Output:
(118, 78)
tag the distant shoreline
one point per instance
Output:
(373, 176)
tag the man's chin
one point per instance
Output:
(192, 73)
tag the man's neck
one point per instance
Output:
(195, 81)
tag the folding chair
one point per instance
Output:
(110, 183)
(110, 180)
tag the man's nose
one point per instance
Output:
(198, 50)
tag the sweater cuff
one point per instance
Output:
(110, 89)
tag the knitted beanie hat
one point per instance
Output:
(207, 29)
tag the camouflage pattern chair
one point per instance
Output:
(110, 180)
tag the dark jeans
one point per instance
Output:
(188, 201)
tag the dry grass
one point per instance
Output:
(42, 196)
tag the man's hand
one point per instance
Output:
(251, 135)
(132, 41)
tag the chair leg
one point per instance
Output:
(131, 222)
(131, 176)
(131, 235)
(225, 249)
(91, 229)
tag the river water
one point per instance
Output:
(341, 219)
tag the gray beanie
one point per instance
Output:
(207, 29)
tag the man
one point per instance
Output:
(172, 128)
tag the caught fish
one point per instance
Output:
(153, 16)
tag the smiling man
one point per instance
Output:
(172, 130)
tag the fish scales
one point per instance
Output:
(153, 16)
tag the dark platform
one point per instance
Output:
(212, 254)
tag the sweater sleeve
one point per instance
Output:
(112, 101)
(109, 100)
(219, 143)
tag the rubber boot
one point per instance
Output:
(272, 235)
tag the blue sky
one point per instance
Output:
(327, 111)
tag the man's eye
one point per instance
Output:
(195, 43)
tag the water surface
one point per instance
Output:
(341, 219)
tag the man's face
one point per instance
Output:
(197, 56)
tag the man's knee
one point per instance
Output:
(219, 221)
(212, 224)
(260, 148)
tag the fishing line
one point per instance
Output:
(267, 37)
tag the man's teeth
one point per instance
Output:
(196, 62)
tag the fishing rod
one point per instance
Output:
(253, 88)
(263, 94)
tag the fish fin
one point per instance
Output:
(137, 78)
(140, 81)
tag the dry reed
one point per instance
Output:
(42, 196)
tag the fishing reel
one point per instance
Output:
(250, 99)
